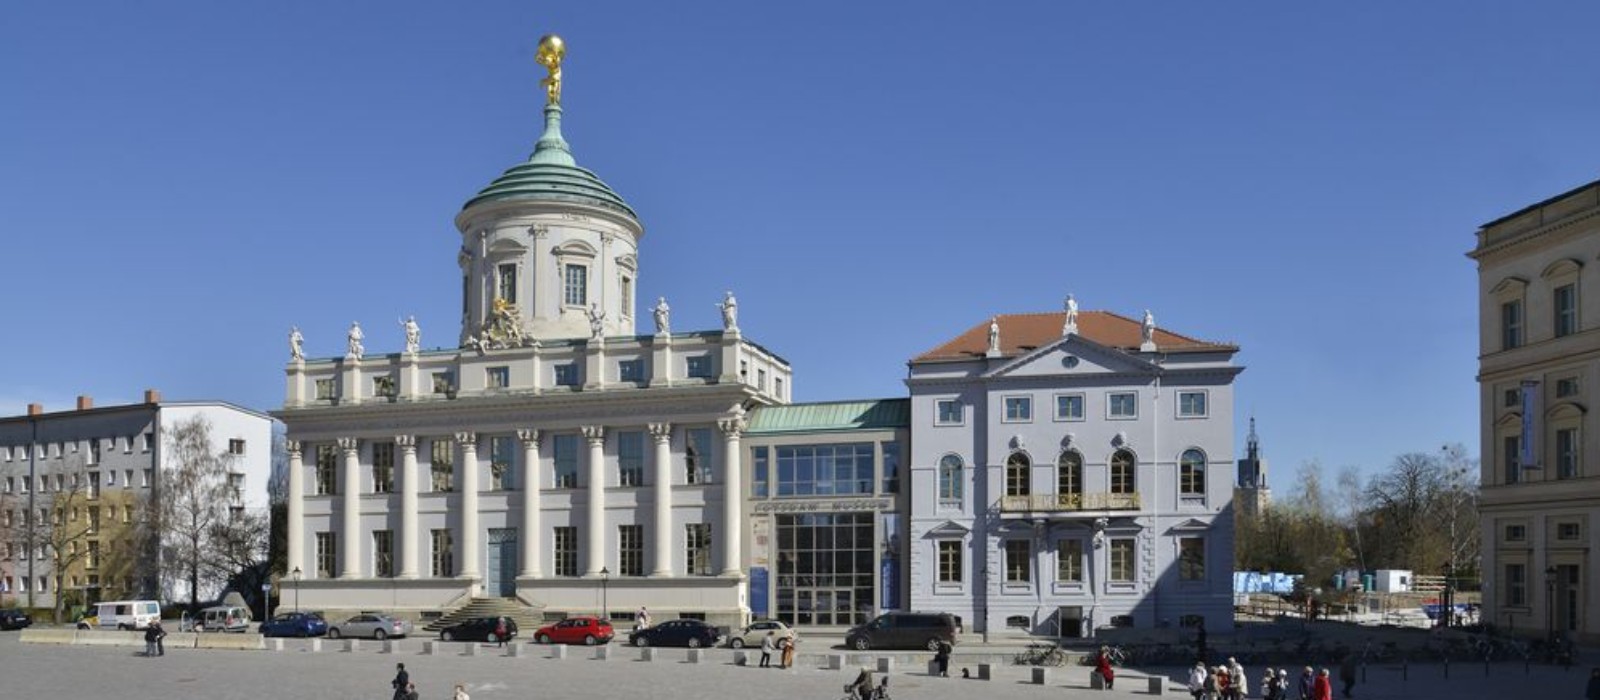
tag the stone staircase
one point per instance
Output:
(528, 618)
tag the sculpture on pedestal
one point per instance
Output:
(1071, 326)
(597, 321)
(296, 344)
(1147, 333)
(413, 335)
(354, 349)
(503, 330)
(994, 337)
(663, 315)
(730, 312)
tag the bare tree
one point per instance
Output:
(1457, 506)
(67, 525)
(194, 500)
(1350, 503)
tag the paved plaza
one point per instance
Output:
(49, 671)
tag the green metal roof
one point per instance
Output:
(835, 416)
(552, 174)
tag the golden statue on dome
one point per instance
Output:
(551, 50)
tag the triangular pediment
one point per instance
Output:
(948, 528)
(1190, 525)
(1073, 355)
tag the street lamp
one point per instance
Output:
(1550, 603)
(296, 575)
(1448, 609)
(605, 602)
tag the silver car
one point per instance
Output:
(373, 625)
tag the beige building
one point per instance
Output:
(1538, 374)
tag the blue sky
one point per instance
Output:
(181, 182)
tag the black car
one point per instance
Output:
(14, 619)
(480, 629)
(905, 630)
(676, 633)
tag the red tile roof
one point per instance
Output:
(1023, 333)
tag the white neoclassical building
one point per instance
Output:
(556, 457)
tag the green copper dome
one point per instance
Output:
(551, 174)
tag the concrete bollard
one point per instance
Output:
(1041, 676)
(276, 644)
(316, 644)
(1096, 681)
(430, 647)
(696, 655)
(836, 662)
(472, 648)
(1158, 685)
(985, 671)
(741, 657)
(558, 651)
(602, 653)
(933, 668)
(885, 664)
(392, 646)
(351, 645)
(648, 654)
(519, 650)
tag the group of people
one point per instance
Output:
(784, 645)
(404, 689)
(1229, 682)
(153, 636)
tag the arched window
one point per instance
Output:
(1192, 473)
(1122, 472)
(1069, 473)
(1018, 472)
(950, 480)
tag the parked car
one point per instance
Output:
(223, 618)
(480, 629)
(676, 633)
(14, 619)
(374, 625)
(751, 636)
(122, 615)
(295, 624)
(905, 630)
(576, 630)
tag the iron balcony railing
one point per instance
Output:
(1053, 502)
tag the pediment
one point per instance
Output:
(1190, 525)
(948, 528)
(506, 246)
(1509, 286)
(1073, 355)
(628, 261)
(576, 248)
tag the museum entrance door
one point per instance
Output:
(500, 580)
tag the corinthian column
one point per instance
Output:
(596, 536)
(297, 509)
(531, 565)
(469, 504)
(408, 505)
(732, 493)
(662, 434)
(350, 532)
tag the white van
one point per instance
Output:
(124, 615)
(223, 618)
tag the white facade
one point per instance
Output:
(1056, 477)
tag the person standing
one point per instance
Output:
(1238, 685)
(402, 680)
(642, 619)
(150, 641)
(1102, 666)
(1308, 681)
(1197, 680)
(766, 649)
(411, 691)
(161, 634)
(500, 632)
(787, 659)
(1347, 674)
(1267, 681)
(942, 658)
(1322, 688)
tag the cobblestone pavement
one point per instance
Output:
(46, 671)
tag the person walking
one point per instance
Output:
(1308, 681)
(500, 632)
(402, 680)
(150, 641)
(1322, 688)
(161, 635)
(1238, 684)
(941, 658)
(411, 691)
(787, 659)
(1102, 666)
(641, 619)
(766, 648)
(1347, 674)
(1197, 680)
(1224, 684)
(1267, 680)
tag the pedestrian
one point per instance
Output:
(500, 632)
(641, 619)
(789, 642)
(1238, 684)
(402, 680)
(1213, 685)
(1283, 684)
(411, 691)
(1308, 681)
(150, 641)
(1266, 684)
(1347, 673)
(1102, 666)
(161, 634)
(1322, 689)
(1197, 680)
(942, 658)
(461, 693)
(1224, 683)
(767, 643)
(1593, 691)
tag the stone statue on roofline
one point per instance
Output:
(353, 347)
(730, 312)
(296, 344)
(1147, 332)
(413, 335)
(663, 314)
(1071, 326)
(994, 337)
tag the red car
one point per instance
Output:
(576, 630)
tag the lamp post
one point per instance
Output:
(605, 602)
(1550, 603)
(1447, 611)
(296, 575)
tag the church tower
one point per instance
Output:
(548, 250)
(1251, 495)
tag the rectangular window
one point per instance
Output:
(1566, 387)
(1069, 407)
(1191, 559)
(825, 470)
(498, 377)
(1511, 447)
(1121, 561)
(507, 290)
(1569, 531)
(630, 371)
(235, 446)
(1516, 533)
(761, 472)
(444, 559)
(324, 389)
(327, 470)
(777, 387)
(1566, 303)
(949, 561)
(1122, 405)
(697, 549)
(698, 366)
(502, 455)
(1069, 561)
(94, 451)
(564, 453)
(326, 556)
(630, 458)
(576, 283)
(627, 296)
(947, 412)
(630, 550)
(566, 551)
(442, 464)
(1512, 398)
(1566, 453)
(1191, 404)
(443, 383)
(1019, 561)
(891, 467)
(1510, 325)
(566, 374)
(1019, 409)
(146, 441)
(1516, 585)
(383, 553)
(697, 456)
(761, 379)
(950, 481)
(382, 467)
(383, 387)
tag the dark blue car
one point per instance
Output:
(676, 633)
(295, 624)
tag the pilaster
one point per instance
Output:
(661, 434)
(732, 493)
(470, 540)
(661, 360)
(350, 498)
(731, 343)
(594, 364)
(532, 566)
(297, 509)
(295, 389)
(595, 531)
(408, 504)
(350, 380)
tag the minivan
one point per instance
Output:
(123, 615)
(223, 618)
(907, 630)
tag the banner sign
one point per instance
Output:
(1529, 458)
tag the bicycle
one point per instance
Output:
(1038, 654)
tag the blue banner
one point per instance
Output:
(758, 591)
(1529, 458)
